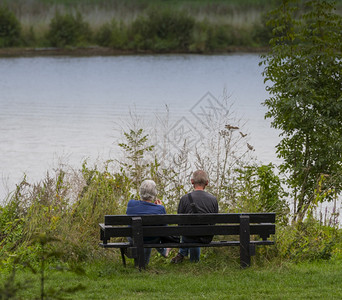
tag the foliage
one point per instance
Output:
(60, 209)
(262, 31)
(308, 240)
(112, 35)
(11, 286)
(218, 25)
(163, 30)
(68, 30)
(158, 27)
(218, 37)
(304, 67)
(46, 255)
(260, 190)
(136, 167)
(10, 28)
(12, 222)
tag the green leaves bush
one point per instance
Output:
(308, 241)
(259, 189)
(112, 35)
(10, 28)
(161, 31)
(68, 30)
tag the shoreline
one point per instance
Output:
(106, 51)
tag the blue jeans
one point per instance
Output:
(147, 251)
(194, 252)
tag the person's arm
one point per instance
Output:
(216, 206)
(181, 206)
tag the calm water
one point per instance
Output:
(71, 108)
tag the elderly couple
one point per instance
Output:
(203, 203)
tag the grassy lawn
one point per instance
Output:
(209, 279)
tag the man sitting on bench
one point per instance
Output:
(197, 201)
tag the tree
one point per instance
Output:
(304, 67)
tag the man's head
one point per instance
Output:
(148, 190)
(199, 179)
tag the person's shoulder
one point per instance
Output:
(184, 197)
(162, 209)
(210, 196)
(203, 192)
(156, 208)
(132, 202)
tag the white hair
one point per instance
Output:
(148, 190)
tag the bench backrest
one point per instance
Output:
(261, 224)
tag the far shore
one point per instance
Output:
(103, 51)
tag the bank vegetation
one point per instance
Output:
(136, 26)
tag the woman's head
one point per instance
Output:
(148, 190)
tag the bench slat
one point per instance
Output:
(190, 219)
(194, 230)
(186, 245)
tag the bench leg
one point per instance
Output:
(245, 257)
(122, 250)
(138, 242)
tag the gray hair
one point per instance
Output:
(200, 177)
(148, 190)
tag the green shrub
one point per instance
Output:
(212, 37)
(163, 30)
(112, 35)
(104, 35)
(259, 189)
(30, 38)
(308, 241)
(10, 28)
(68, 30)
(219, 37)
(262, 33)
(12, 222)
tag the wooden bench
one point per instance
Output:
(242, 225)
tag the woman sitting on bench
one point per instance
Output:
(148, 205)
